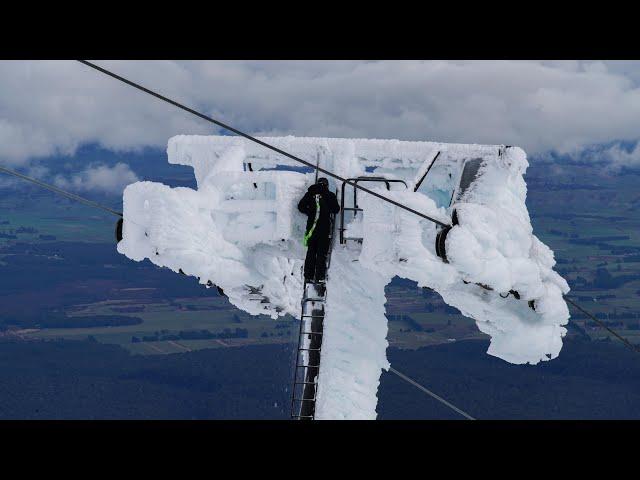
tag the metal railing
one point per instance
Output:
(355, 208)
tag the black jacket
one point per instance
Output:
(328, 205)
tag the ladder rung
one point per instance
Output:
(304, 399)
(311, 333)
(307, 366)
(312, 316)
(302, 416)
(308, 349)
(297, 385)
(319, 299)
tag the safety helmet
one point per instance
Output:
(323, 181)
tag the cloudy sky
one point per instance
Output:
(50, 108)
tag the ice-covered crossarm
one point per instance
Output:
(240, 230)
(491, 253)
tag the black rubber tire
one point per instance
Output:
(119, 230)
(441, 240)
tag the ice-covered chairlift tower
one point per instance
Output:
(240, 230)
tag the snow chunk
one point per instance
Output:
(241, 230)
(354, 342)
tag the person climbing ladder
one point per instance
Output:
(319, 203)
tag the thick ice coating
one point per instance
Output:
(240, 230)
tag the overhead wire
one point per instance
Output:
(603, 325)
(431, 394)
(256, 140)
(60, 191)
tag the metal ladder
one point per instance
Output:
(307, 369)
(305, 382)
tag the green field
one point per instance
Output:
(50, 214)
(215, 315)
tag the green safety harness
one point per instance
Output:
(307, 236)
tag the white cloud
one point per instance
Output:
(52, 107)
(49, 107)
(99, 178)
(618, 156)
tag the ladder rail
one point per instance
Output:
(310, 337)
(309, 348)
(295, 374)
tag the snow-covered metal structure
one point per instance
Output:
(240, 230)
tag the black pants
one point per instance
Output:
(315, 264)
